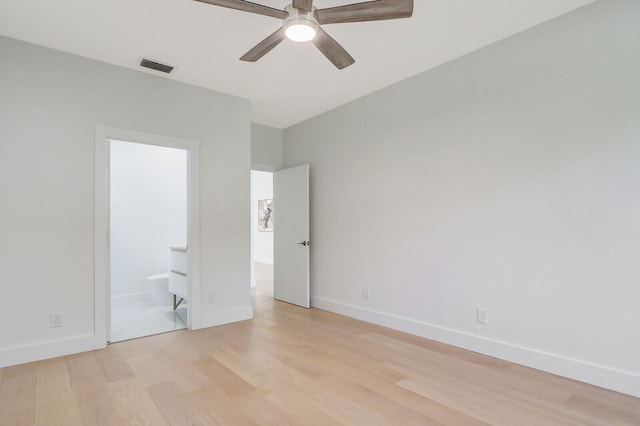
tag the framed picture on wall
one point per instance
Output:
(265, 215)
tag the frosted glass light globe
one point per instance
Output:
(300, 32)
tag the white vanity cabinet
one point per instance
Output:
(178, 273)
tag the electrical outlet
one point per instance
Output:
(365, 293)
(211, 297)
(482, 316)
(55, 320)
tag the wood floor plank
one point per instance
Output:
(18, 394)
(366, 375)
(615, 400)
(83, 366)
(90, 391)
(464, 377)
(329, 399)
(158, 368)
(264, 412)
(113, 365)
(55, 403)
(475, 376)
(495, 409)
(209, 406)
(293, 366)
(134, 404)
(214, 406)
(342, 360)
(168, 398)
(602, 411)
(311, 364)
(281, 382)
(224, 378)
(384, 409)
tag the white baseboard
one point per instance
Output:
(211, 319)
(73, 345)
(45, 350)
(620, 381)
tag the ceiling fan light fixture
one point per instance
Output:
(299, 25)
(300, 32)
(302, 21)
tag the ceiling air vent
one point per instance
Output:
(156, 66)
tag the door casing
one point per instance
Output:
(102, 299)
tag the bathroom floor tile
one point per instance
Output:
(132, 318)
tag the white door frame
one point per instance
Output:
(102, 284)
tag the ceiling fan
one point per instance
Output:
(302, 22)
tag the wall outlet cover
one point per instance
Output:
(55, 320)
(482, 316)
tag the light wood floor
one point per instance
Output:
(301, 367)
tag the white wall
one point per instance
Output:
(148, 212)
(506, 180)
(50, 105)
(266, 148)
(263, 241)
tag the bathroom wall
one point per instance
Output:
(263, 241)
(148, 212)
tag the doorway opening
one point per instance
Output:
(262, 226)
(147, 233)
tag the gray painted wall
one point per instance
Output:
(50, 104)
(506, 180)
(266, 148)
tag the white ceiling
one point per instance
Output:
(294, 81)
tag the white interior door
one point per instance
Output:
(291, 235)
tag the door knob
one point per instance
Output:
(305, 243)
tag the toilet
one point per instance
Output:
(158, 287)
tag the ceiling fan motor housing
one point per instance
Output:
(300, 25)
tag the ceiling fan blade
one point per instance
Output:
(368, 11)
(332, 49)
(303, 4)
(247, 6)
(264, 47)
